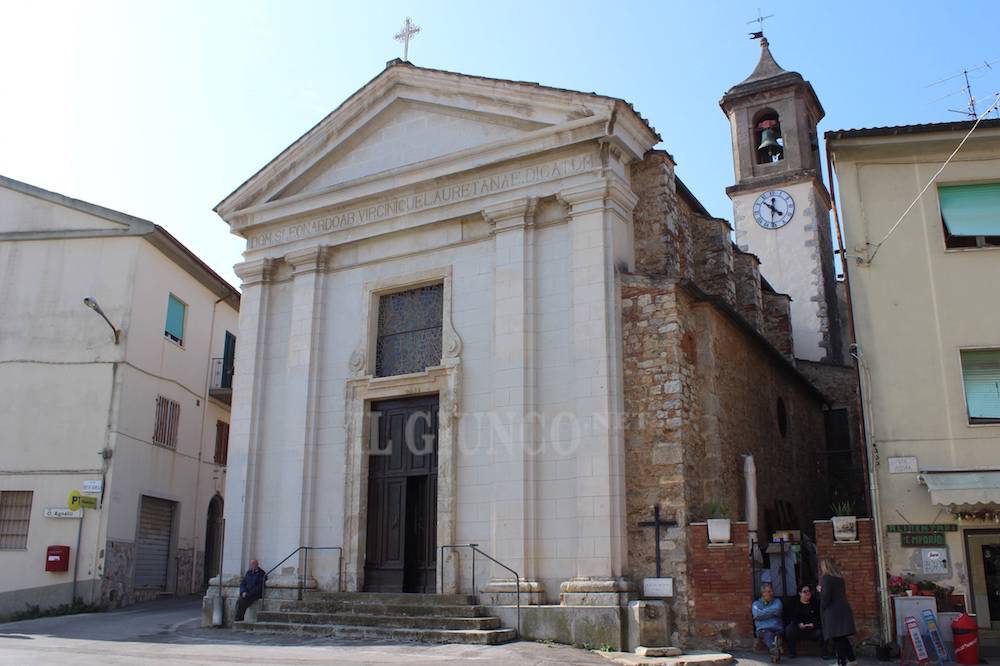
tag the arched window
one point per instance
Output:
(769, 146)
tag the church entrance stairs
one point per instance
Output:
(428, 618)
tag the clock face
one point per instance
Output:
(773, 209)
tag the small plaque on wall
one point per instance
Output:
(657, 587)
(903, 465)
(935, 560)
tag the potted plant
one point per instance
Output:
(719, 525)
(926, 588)
(845, 523)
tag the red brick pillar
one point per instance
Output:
(856, 560)
(721, 588)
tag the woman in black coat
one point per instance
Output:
(837, 618)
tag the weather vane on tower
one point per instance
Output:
(410, 29)
(760, 24)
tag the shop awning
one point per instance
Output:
(963, 489)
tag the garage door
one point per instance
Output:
(156, 518)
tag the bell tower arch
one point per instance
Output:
(781, 208)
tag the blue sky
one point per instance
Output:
(161, 109)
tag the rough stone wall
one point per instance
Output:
(714, 270)
(749, 300)
(658, 376)
(119, 574)
(739, 384)
(839, 384)
(777, 316)
(660, 219)
(856, 560)
(721, 589)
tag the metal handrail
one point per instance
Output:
(305, 574)
(474, 547)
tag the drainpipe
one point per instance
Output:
(870, 459)
(201, 450)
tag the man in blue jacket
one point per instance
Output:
(251, 589)
(768, 622)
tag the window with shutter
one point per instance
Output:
(970, 214)
(15, 514)
(174, 328)
(167, 422)
(981, 374)
(221, 442)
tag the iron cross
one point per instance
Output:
(760, 24)
(405, 35)
(656, 523)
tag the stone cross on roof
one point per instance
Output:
(405, 35)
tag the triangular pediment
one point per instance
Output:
(410, 120)
(406, 132)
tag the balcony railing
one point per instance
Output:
(220, 384)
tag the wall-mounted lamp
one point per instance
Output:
(91, 303)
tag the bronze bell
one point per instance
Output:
(769, 142)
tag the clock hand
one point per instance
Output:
(771, 206)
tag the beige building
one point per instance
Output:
(927, 326)
(136, 418)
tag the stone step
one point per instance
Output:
(392, 598)
(401, 622)
(359, 608)
(471, 636)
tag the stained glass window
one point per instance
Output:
(409, 331)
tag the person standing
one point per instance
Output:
(837, 617)
(767, 619)
(251, 589)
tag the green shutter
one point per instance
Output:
(981, 374)
(175, 319)
(971, 210)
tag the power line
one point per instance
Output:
(878, 246)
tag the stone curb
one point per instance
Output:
(695, 659)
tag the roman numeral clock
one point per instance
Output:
(773, 209)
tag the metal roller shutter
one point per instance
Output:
(156, 518)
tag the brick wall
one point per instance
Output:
(856, 560)
(721, 589)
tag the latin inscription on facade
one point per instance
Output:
(448, 194)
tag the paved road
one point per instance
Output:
(167, 633)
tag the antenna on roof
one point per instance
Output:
(970, 109)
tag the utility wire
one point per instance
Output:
(878, 246)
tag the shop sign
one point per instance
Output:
(908, 540)
(928, 528)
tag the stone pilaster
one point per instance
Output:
(595, 211)
(514, 382)
(301, 395)
(244, 433)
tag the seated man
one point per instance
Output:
(768, 624)
(251, 589)
(804, 618)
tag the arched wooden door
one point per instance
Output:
(213, 539)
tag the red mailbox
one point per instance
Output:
(57, 558)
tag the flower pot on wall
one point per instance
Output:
(719, 530)
(845, 528)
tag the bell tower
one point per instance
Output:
(781, 209)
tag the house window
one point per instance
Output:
(168, 416)
(970, 215)
(981, 375)
(221, 442)
(409, 331)
(15, 512)
(174, 328)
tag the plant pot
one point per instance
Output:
(719, 530)
(845, 528)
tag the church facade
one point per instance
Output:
(487, 312)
